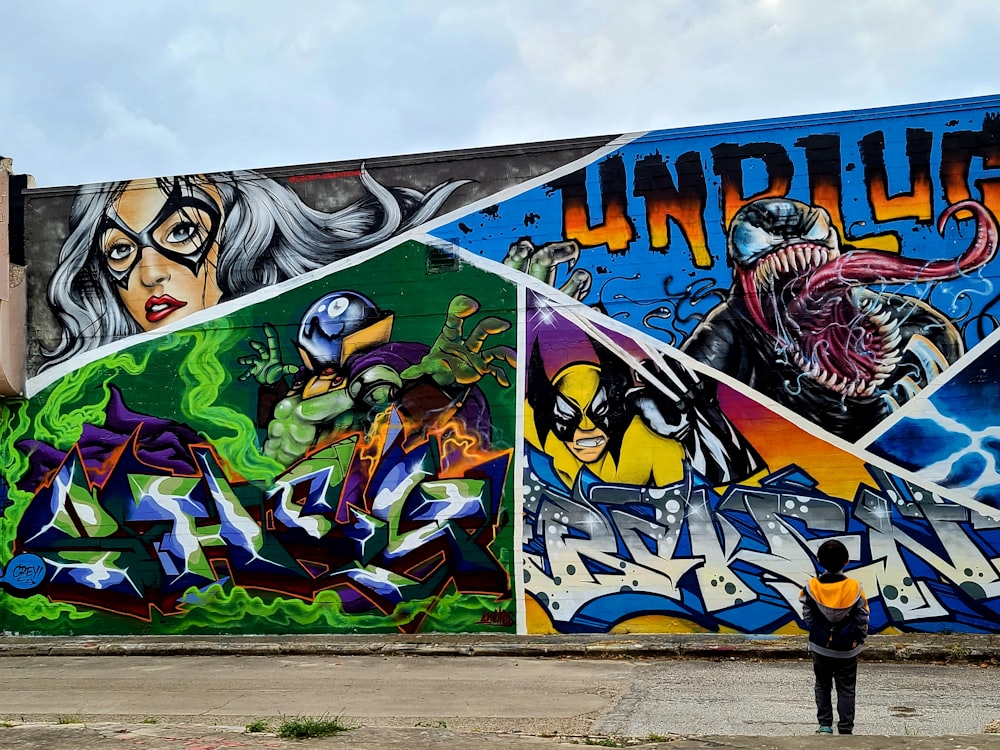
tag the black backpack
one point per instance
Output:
(836, 636)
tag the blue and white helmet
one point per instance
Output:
(329, 321)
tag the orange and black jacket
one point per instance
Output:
(835, 613)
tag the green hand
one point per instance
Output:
(544, 261)
(265, 366)
(458, 360)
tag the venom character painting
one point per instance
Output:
(811, 325)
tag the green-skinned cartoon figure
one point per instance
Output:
(351, 372)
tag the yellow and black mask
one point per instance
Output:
(581, 396)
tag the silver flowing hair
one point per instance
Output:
(268, 235)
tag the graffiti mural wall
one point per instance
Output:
(614, 385)
(333, 458)
(648, 506)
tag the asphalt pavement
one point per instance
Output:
(980, 651)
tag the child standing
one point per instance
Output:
(835, 612)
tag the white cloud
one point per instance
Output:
(638, 65)
(127, 132)
(192, 85)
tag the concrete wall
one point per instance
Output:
(606, 385)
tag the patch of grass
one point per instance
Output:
(258, 725)
(150, 720)
(70, 719)
(956, 653)
(6, 723)
(304, 727)
(657, 738)
(437, 724)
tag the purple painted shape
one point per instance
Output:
(161, 443)
(563, 342)
(398, 355)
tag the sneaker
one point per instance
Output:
(845, 731)
(824, 730)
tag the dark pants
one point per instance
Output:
(843, 673)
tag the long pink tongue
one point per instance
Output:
(869, 266)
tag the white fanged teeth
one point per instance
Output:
(763, 277)
(788, 257)
(593, 442)
(841, 383)
(795, 259)
(862, 389)
(875, 325)
(890, 326)
(889, 331)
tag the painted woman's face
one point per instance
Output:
(159, 245)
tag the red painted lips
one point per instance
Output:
(157, 308)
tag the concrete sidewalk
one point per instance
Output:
(947, 648)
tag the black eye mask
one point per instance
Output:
(175, 202)
(566, 417)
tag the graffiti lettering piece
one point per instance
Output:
(732, 161)
(824, 165)
(309, 491)
(382, 522)
(72, 510)
(722, 588)
(741, 559)
(958, 149)
(684, 203)
(917, 203)
(580, 553)
(617, 230)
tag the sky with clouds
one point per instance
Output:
(116, 89)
